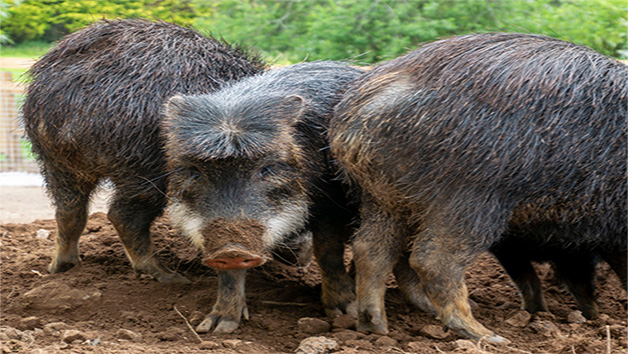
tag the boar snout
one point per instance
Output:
(234, 244)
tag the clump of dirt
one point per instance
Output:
(104, 307)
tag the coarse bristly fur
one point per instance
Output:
(465, 141)
(251, 161)
(92, 111)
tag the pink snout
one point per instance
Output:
(235, 262)
(234, 256)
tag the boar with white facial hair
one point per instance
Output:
(251, 170)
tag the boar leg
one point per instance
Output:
(230, 305)
(525, 278)
(440, 255)
(71, 199)
(132, 217)
(375, 252)
(577, 272)
(410, 285)
(338, 289)
(617, 260)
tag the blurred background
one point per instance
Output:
(364, 32)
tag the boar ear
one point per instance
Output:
(175, 105)
(293, 106)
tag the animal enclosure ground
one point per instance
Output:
(103, 307)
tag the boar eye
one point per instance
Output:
(194, 173)
(266, 172)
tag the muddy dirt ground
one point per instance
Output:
(104, 307)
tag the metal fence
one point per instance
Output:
(14, 148)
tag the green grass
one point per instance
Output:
(27, 153)
(32, 49)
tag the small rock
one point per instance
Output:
(12, 333)
(92, 228)
(231, 343)
(415, 347)
(360, 344)
(6, 349)
(92, 342)
(604, 318)
(520, 319)
(385, 342)
(56, 296)
(55, 328)
(42, 234)
(346, 335)
(316, 345)
(71, 335)
(433, 331)
(196, 317)
(208, 345)
(29, 323)
(344, 321)
(546, 328)
(128, 335)
(313, 325)
(576, 317)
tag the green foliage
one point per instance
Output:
(366, 31)
(598, 24)
(371, 31)
(49, 20)
(4, 38)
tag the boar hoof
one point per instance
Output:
(159, 272)
(60, 267)
(223, 324)
(347, 308)
(372, 323)
(372, 328)
(496, 339)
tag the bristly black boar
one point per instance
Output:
(458, 143)
(92, 112)
(251, 168)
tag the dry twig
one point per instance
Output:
(440, 351)
(189, 325)
(608, 339)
